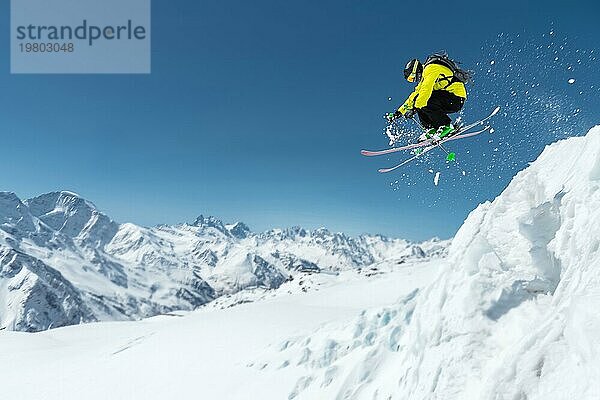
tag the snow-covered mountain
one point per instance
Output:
(62, 261)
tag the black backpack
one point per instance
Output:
(459, 74)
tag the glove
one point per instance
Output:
(391, 117)
(410, 113)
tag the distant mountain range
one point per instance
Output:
(64, 262)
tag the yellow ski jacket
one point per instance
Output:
(435, 77)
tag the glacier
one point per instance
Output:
(510, 312)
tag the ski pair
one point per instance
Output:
(431, 147)
(371, 153)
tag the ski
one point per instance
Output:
(417, 145)
(425, 150)
(431, 147)
(464, 135)
(371, 153)
(481, 121)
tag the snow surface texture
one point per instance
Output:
(63, 262)
(210, 353)
(513, 314)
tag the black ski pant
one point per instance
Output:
(440, 104)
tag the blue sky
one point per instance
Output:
(257, 111)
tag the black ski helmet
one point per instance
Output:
(413, 70)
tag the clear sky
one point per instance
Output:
(257, 111)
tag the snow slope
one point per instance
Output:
(211, 353)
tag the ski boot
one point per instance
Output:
(435, 135)
(429, 134)
(446, 131)
(454, 128)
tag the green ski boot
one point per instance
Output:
(445, 130)
(428, 134)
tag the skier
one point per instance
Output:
(440, 91)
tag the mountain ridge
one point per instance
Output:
(120, 271)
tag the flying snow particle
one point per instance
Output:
(492, 130)
(492, 62)
(431, 171)
(464, 173)
(571, 81)
(436, 178)
(389, 99)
